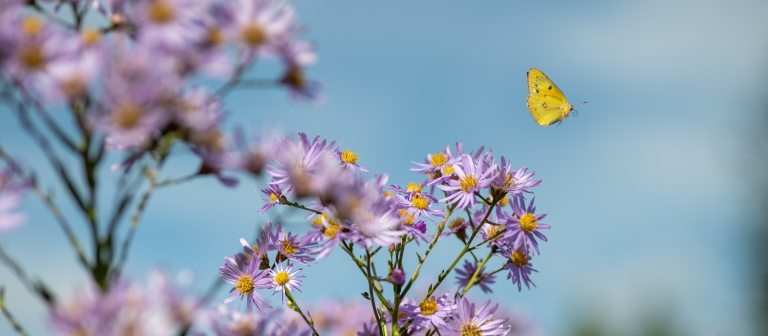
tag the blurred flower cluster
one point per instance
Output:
(141, 78)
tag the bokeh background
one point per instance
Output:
(655, 191)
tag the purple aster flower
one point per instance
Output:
(418, 230)
(297, 162)
(513, 182)
(126, 308)
(231, 322)
(519, 267)
(168, 23)
(348, 159)
(379, 227)
(140, 83)
(259, 26)
(245, 276)
(283, 278)
(291, 247)
(211, 56)
(464, 275)
(330, 232)
(296, 56)
(257, 251)
(31, 45)
(410, 189)
(419, 204)
(472, 177)
(435, 163)
(77, 68)
(431, 312)
(274, 197)
(251, 154)
(494, 234)
(198, 111)
(476, 321)
(524, 226)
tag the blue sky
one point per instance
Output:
(642, 187)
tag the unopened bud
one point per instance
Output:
(397, 276)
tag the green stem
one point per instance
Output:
(479, 268)
(295, 307)
(299, 206)
(65, 226)
(440, 228)
(8, 316)
(36, 287)
(464, 251)
(379, 320)
(361, 266)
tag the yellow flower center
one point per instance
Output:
(469, 329)
(388, 194)
(448, 170)
(281, 278)
(73, 86)
(273, 198)
(288, 247)
(160, 12)
(32, 26)
(244, 284)
(320, 219)
(294, 77)
(253, 34)
(413, 187)
(528, 222)
(456, 222)
(215, 36)
(127, 116)
(32, 57)
(467, 183)
(349, 156)
(420, 202)
(90, 36)
(438, 159)
(519, 258)
(509, 182)
(407, 217)
(504, 201)
(493, 231)
(331, 230)
(428, 307)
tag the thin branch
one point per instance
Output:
(36, 287)
(8, 316)
(297, 309)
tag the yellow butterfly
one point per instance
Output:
(545, 100)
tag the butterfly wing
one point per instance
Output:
(546, 101)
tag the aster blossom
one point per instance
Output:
(473, 176)
(431, 312)
(524, 226)
(514, 182)
(484, 280)
(290, 246)
(284, 278)
(519, 267)
(470, 319)
(245, 276)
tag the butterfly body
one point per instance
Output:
(546, 101)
